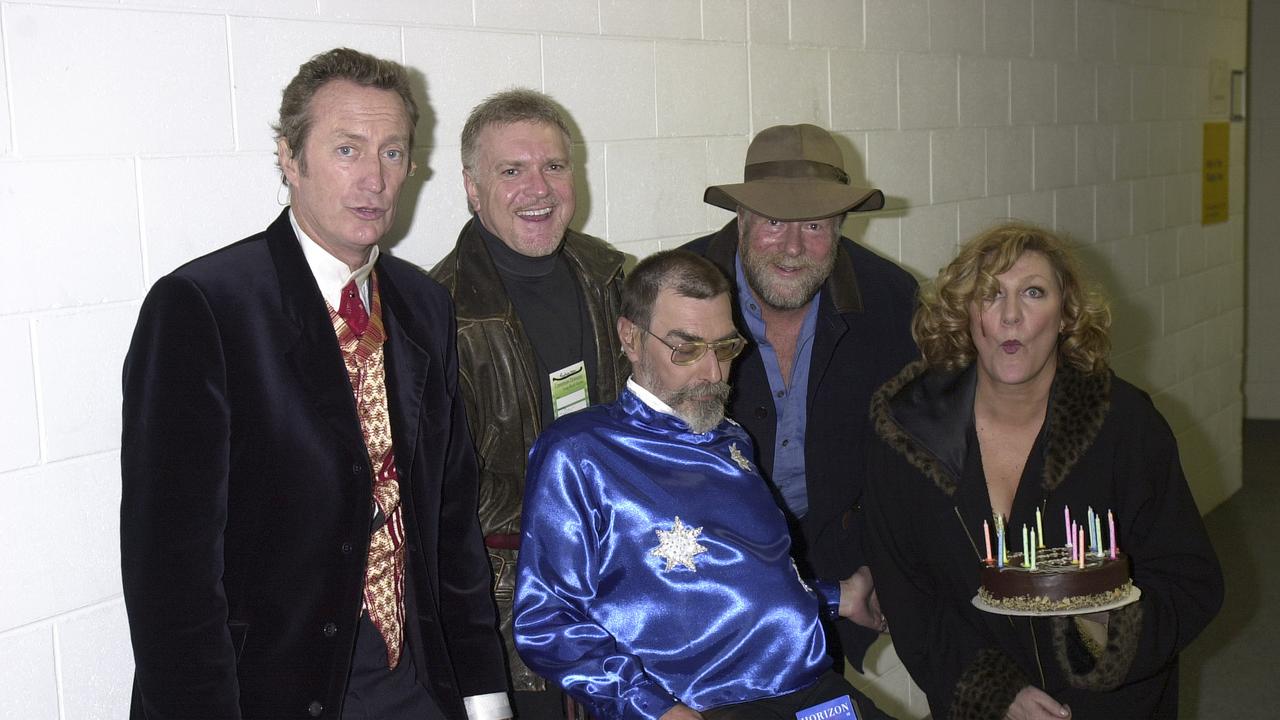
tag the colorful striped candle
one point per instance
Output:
(986, 535)
(1111, 526)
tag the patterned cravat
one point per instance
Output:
(361, 339)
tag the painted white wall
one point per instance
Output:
(1262, 339)
(134, 135)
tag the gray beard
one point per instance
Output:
(784, 297)
(701, 415)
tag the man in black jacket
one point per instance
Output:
(537, 304)
(830, 321)
(298, 534)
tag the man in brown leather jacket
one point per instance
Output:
(536, 307)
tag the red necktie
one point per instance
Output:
(351, 309)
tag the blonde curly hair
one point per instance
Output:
(941, 322)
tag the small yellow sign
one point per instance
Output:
(1214, 204)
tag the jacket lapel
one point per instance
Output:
(477, 276)
(588, 261)
(840, 296)
(830, 328)
(313, 351)
(474, 289)
(1078, 405)
(925, 416)
(407, 366)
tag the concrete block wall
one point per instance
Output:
(134, 135)
(1262, 359)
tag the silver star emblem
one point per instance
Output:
(736, 455)
(678, 545)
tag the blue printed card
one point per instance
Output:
(839, 709)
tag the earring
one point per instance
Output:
(282, 194)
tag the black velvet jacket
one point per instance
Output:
(1103, 445)
(863, 338)
(245, 513)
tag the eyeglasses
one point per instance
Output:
(688, 353)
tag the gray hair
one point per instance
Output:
(507, 107)
(688, 274)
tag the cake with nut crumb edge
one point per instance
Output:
(1056, 584)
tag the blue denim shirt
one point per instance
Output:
(790, 399)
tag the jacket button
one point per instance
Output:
(761, 413)
(315, 709)
(330, 629)
(356, 468)
(346, 548)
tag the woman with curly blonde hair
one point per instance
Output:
(941, 323)
(1012, 416)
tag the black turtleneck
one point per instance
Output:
(548, 301)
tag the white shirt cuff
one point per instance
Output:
(491, 706)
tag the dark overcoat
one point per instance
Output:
(863, 338)
(1102, 445)
(245, 513)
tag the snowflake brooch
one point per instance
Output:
(678, 546)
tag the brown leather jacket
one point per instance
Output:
(498, 377)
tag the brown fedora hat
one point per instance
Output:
(794, 172)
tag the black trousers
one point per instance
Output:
(376, 692)
(540, 704)
(784, 707)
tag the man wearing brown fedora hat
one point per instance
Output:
(829, 322)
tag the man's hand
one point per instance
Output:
(681, 712)
(858, 600)
(1032, 703)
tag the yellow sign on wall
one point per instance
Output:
(1214, 204)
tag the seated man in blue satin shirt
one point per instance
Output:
(655, 578)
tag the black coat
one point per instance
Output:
(1103, 445)
(863, 338)
(245, 512)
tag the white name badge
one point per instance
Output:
(569, 389)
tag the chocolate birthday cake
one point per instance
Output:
(1056, 584)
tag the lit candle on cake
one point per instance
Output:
(1097, 529)
(1004, 540)
(1093, 520)
(986, 535)
(1111, 525)
(1026, 549)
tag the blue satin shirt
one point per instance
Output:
(655, 567)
